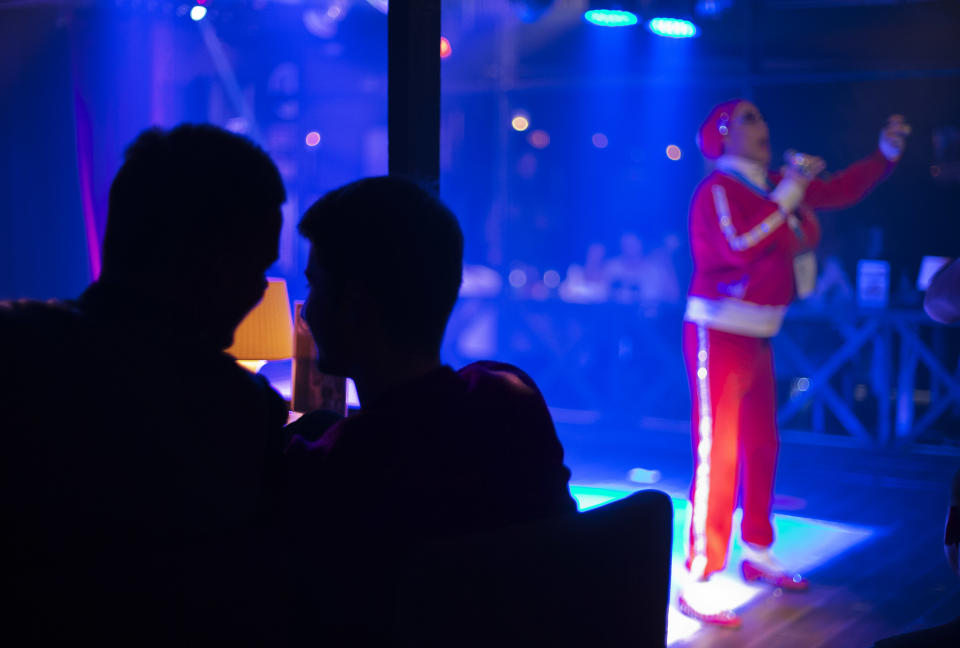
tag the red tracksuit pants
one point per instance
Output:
(735, 441)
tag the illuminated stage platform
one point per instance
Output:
(804, 544)
(865, 526)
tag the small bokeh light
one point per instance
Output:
(445, 49)
(600, 140)
(539, 139)
(674, 152)
(313, 138)
(517, 278)
(238, 125)
(198, 13)
(520, 122)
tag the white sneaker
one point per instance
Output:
(761, 557)
(759, 564)
(703, 601)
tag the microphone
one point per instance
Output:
(802, 163)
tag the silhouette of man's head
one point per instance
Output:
(385, 267)
(193, 224)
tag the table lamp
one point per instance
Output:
(266, 333)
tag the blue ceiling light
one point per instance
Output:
(610, 17)
(673, 28)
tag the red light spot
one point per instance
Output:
(539, 139)
(445, 49)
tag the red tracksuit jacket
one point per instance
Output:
(743, 245)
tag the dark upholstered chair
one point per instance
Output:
(599, 578)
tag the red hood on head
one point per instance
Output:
(710, 135)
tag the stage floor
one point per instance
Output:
(865, 526)
(802, 543)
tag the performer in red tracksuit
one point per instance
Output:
(752, 235)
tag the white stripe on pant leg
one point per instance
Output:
(701, 489)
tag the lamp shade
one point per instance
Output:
(266, 333)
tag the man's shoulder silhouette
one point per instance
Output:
(471, 437)
(143, 468)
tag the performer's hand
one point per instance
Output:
(812, 167)
(793, 176)
(797, 174)
(893, 137)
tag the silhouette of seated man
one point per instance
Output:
(434, 452)
(142, 466)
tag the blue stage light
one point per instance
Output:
(610, 17)
(673, 28)
(712, 8)
(198, 13)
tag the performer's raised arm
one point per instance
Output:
(847, 187)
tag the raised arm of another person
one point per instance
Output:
(942, 301)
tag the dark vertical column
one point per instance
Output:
(414, 89)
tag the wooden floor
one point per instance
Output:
(896, 581)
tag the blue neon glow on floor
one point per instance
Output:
(802, 543)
